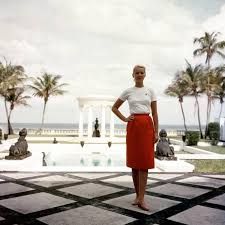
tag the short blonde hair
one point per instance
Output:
(138, 66)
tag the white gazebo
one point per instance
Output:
(87, 103)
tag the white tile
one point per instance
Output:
(86, 215)
(203, 181)
(178, 190)
(164, 176)
(215, 176)
(92, 175)
(90, 190)
(11, 188)
(34, 202)
(1, 180)
(155, 203)
(219, 200)
(200, 215)
(52, 180)
(23, 175)
(125, 181)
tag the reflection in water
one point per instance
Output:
(43, 160)
(82, 162)
(95, 162)
(95, 159)
(109, 162)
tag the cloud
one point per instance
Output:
(94, 45)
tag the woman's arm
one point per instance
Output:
(115, 109)
(155, 118)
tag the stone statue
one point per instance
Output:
(163, 149)
(55, 141)
(96, 132)
(19, 149)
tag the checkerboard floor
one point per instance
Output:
(62, 198)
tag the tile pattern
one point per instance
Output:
(52, 180)
(220, 200)
(125, 181)
(200, 215)
(11, 188)
(105, 198)
(86, 215)
(177, 190)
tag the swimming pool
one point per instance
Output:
(90, 155)
(88, 159)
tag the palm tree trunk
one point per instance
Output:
(10, 129)
(43, 115)
(221, 109)
(208, 103)
(207, 116)
(7, 115)
(199, 121)
(182, 110)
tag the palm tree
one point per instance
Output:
(46, 86)
(210, 46)
(218, 90)
(220, 94)
(10, 77)
(178, 89)
(192, 77)
(15, 97)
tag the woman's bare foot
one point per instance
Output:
(143, 206)
(135, 202)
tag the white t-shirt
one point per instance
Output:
(139, 99)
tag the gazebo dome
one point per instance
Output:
(96, 100)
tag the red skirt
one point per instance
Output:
(140, 142)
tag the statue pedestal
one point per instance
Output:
(19, 157)
(96, 133)
(167, 158)
(174, 166)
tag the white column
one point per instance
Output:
(90, 121)
(81, 121)
(103, 122)
(111, 123)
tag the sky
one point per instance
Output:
(94, 44)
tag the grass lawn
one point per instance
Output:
(208, 166)
(216, 149)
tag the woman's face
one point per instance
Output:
(139, 74)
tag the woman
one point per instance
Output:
(142, 132)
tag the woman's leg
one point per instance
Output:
(135, 176)
(143, 175)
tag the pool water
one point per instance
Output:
(87, 159)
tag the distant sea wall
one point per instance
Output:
(72, 129)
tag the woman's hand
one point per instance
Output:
(156, 136)
(129, 118)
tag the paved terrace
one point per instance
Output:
(61, 198)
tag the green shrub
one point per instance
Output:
(214, 126)
(215, 135)
(192, 137)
